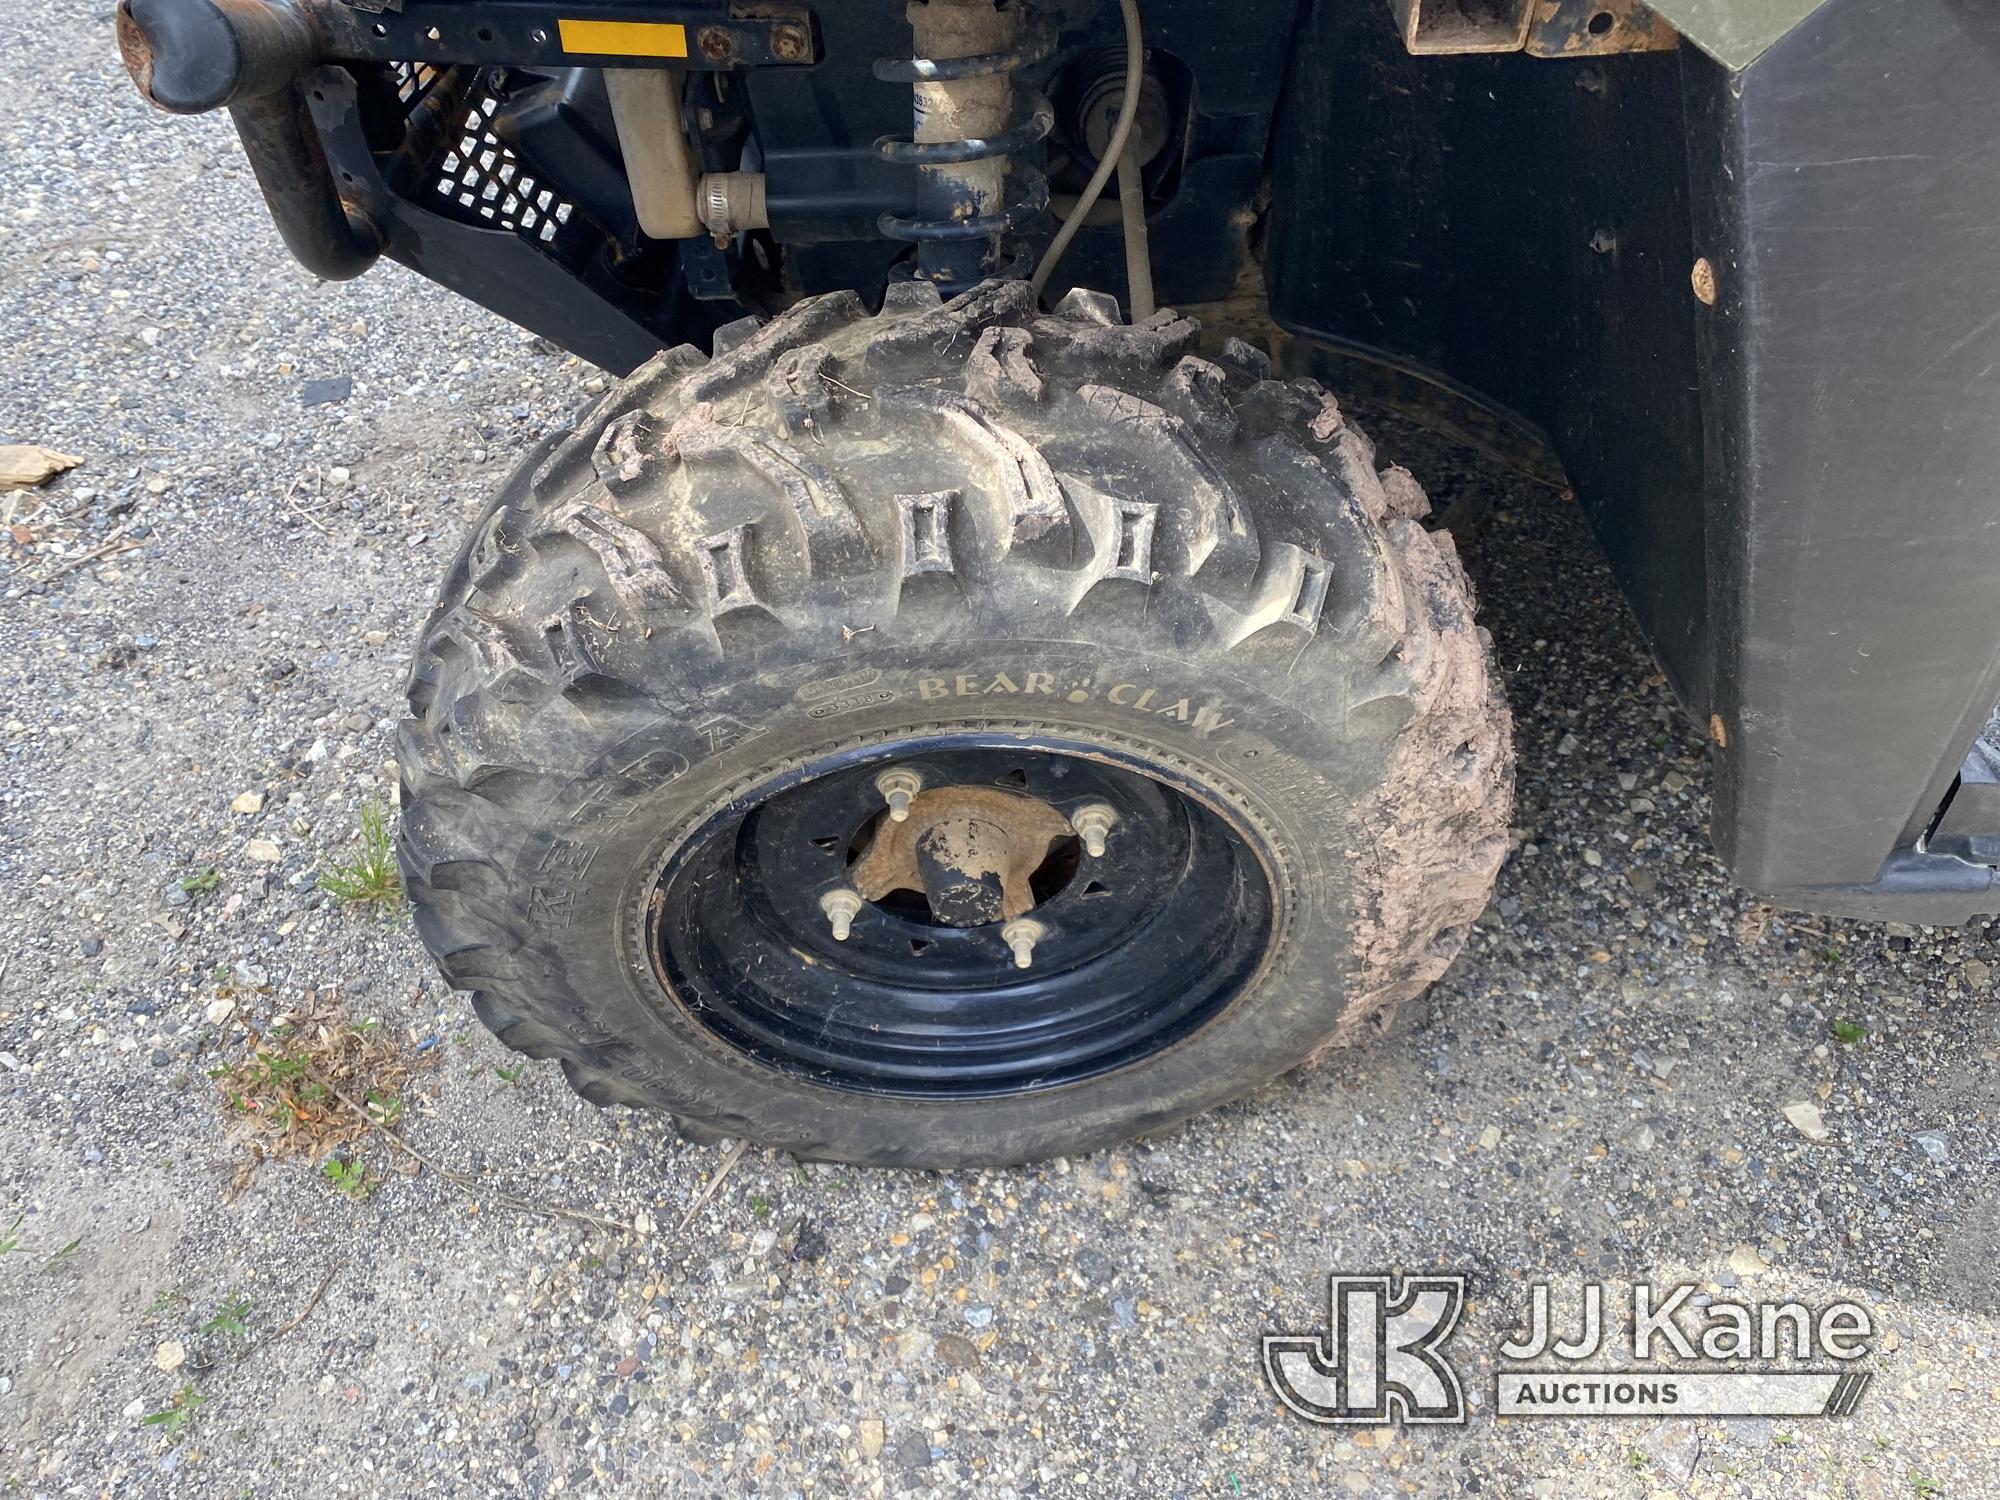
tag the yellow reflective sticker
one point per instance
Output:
(624, 38)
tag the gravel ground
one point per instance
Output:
(1603, 1097)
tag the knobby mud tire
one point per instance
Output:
(844, 528)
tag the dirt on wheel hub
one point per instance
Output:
(972, 851)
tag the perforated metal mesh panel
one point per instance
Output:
(412, 79)
(481, 174)
(478, 178)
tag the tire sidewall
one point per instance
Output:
(593, 853)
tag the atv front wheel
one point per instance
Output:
(955, 736)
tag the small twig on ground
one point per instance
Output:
(843, 385)
(470, 1186)
(306, 1311)
(728, 1165)
(303, 514)
(39, 516)
(96, 554)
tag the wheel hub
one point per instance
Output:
(971, 851)
(1037, 915)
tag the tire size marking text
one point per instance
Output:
(848, 705)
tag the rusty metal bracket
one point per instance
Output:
(536, 33)
(1436, 28)
(193, 55)
(1541, 28)
(1597, 28)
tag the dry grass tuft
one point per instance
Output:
(315, 1085)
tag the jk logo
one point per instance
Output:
(1378, 1360)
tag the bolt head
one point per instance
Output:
(788, 43)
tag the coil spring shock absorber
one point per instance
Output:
(973, 119)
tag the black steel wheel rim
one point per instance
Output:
(1141, 947)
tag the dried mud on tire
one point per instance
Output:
(968, 517)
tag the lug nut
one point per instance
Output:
(1021, 935)
(1092, 823)
(897, 788)
(841, 908)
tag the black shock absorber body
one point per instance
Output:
(974, 119)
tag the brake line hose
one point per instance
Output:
(1132, 210)
(1114, 151)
